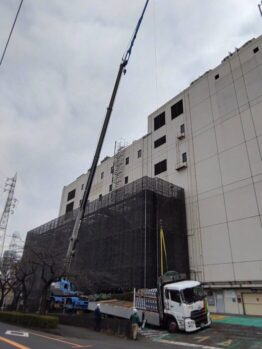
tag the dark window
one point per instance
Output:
(102, 175)
(182, 128)
(175, 296)
(112, 169)
(127, 160)
(159, 121)
(100, 197)
(71, 195)
(80, 203)
(160, 167)
(69, 207)
(126, 179)
(167, 294)
(177, 109)
(110, 187)
(139, 153)
(184, 157)
(256, 49)
(82, 187)
(160, 141)
(216, 76)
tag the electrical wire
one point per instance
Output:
(11, 31)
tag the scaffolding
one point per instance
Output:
(119, 164)
(119, 237)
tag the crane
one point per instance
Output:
(80, 215)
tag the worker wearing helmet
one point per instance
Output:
(134, 319)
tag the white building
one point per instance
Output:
(208, 140)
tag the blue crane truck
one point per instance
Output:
(65, 297)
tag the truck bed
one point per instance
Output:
(123, 309)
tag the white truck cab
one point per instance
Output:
(185, 306)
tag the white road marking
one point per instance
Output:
(17, 333)
(191, 345)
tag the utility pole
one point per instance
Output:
(260, 8)
(8, 209)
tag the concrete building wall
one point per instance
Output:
(222, 171)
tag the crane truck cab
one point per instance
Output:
(64, 296)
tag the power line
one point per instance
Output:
(11, 31)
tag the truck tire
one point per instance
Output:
(172, 326)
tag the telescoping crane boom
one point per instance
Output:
(81, 211)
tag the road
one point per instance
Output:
(216, 337)
(13, 337)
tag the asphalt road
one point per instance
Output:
(13, 337)
(216, 337)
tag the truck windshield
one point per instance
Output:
(193, 294)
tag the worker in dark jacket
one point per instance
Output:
(134, 319)
(98, 316)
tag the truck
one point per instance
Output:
(64, 296)
(176, 303)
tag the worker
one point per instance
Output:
(134, 319)
(97, 316)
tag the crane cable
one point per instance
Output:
(11, 31)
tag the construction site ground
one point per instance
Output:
(231, 332)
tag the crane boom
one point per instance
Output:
(81, 211)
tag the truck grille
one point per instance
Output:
(199, 316)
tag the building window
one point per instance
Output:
(160, 167)
(184, 157)
(139, 153)
(112, 169)
(100, 197)
(256, 49)
(177, 109)
(182, 128)
(160, 141)
(71, 195)
(127, 160)
(69, 207)
(159, 121)
(82, 187)
(80, 203)
(216, 76)
(126, 179)
(102, 175)
(110, 187)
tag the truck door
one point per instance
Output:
(175, 306)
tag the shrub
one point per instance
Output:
(29, 320)
(128, 296)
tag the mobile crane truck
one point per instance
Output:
(64, 296)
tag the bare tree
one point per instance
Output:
(24, 273)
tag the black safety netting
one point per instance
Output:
(118, 243)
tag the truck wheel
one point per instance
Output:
(172, 326)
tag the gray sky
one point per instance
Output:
(59, 71)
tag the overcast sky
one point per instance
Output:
(58, 74)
